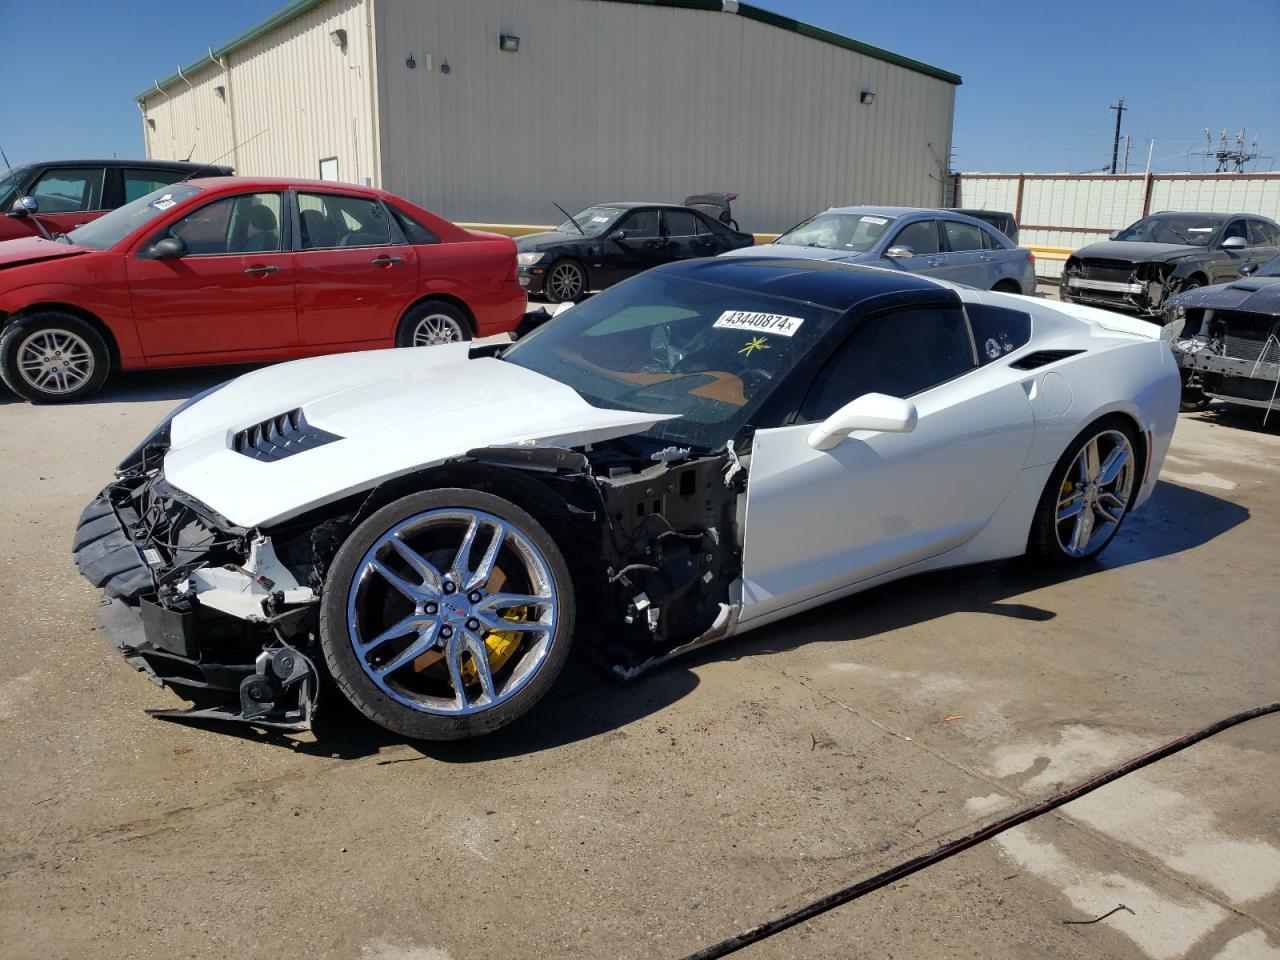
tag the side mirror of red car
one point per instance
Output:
(170, 248)
(24, 207)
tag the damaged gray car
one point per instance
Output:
(1164, 254)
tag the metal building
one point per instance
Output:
(489, 110)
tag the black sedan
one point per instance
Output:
(1144, 264)
(598, 246)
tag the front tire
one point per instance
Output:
(447, 614)
(566, 282)
(431, 323)
(1089, 493)
(53, 357)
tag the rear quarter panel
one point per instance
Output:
(480, 270)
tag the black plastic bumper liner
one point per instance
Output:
(107, 557)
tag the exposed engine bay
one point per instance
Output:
(1229, 355)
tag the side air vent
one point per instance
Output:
(1041, 358)
(280, 437)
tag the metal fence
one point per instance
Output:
(1059, 212)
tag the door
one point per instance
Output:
(925, 241)
(356, 275)
(1264, 241)
(232, 291)
(1226, 263)
(687, 236)
(967, 259)
(68, 197)
(819, 521)
(639, 247)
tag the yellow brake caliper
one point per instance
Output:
(500, 644)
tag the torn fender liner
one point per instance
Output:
(105, 555)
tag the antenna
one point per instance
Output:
(4, 156)
(189, 153)
(206, 166)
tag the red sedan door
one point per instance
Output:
(355, 278)
(230, 295)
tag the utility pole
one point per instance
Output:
(1125, 167)
(1119, 108)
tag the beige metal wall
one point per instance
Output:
(610, 101)
(312, 100)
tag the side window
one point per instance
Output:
(335, 220)
(997, 331)
(641, 225)
(1261, 234)
(249, 223)
(138, 182)
(962, 236)
(415, 231)
(1235, 228)
(681, 223)
(921, 237)
(900, 354)
(69, 190)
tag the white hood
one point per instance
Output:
(396, 411)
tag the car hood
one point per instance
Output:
(16, 253)
(1248, 294)
(801, 253)
(1132, 252)
(395, 411)
(549, 238)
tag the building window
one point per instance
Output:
(329, 169)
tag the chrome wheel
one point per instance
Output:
(452, 612)
(1095, 493)
(55, 361)
(436, 328)
(565, 281)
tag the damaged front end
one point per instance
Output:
(1139, 288)
(1229, 355)
(201, 606)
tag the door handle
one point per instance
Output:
(986, 258)
(260, 271)
(384, 261)
(937, 261)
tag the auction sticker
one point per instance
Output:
(759, 322)
(165, 202)
(879, 221)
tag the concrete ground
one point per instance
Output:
(651, 819)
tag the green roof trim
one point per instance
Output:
(298, 7)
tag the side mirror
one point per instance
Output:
(1113, 234)
(618, 235)
(871, 411)
(170, 248)
(24, 207)
(1234, 243)
(900, 252)
(1248, 269)
(560, 308)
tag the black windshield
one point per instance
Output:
(1187, 229)
(1270, 269)
(709, 354)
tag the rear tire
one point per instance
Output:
(1006, 286)
(431, 323)
(411, 568)
(1088, 494)
(53, 357)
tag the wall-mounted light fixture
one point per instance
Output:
(445, 68)
(220, 93)
(509, 43)
(151, 122)
(410, 62)
(339, 38)
(867, 97)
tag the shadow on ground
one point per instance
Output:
(145, 386)
(586, 703)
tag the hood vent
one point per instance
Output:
(280, 437)
(1041, 358)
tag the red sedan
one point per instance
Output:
(238, 270)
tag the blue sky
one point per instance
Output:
(1038, 77)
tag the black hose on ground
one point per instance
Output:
(863, 887)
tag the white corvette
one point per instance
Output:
(699, 451)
